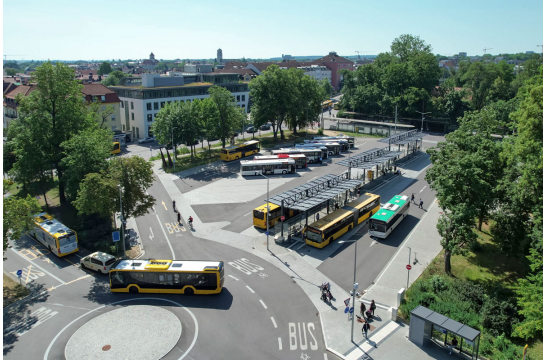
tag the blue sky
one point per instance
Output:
(74, 29)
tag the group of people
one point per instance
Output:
(326, 293)
(366, 315)
(420, 203)
(190, 220)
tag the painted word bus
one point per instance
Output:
(267, 167)
(312, 154)
(236, 152)
(167, 276)
(332, 226)
(389, 216)
(260, 214)
(55, 236)
(300, 159)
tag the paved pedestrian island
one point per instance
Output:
(133, 332)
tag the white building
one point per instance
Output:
(317, 72)
(142, 98)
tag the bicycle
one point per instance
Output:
(190, 223)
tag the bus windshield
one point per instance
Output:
(377, 226)
(315, 236)
(259, 214)
(224, 151)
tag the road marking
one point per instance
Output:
(373, 243)
(325, 356)
(300, 246)
(42, 315)
(153, 207)
(83, 277)
(166, 237)
(248, 213)
(233, 277)
(164, 205)
(279, 343)
(289, 247)
(262, 303)
(424, 188)
(274, 322)
(376, 338)
(41, 268)
(81, 257)
(151, 236)
(28, 273)
(249, 288)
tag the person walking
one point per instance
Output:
(412, 199)
(362, 310)
(421, 205)
(373, 307)
(365, 328)
(317, 216)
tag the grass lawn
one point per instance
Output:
(267, 140)
(13, 291)
(201, 158)
(354, 134)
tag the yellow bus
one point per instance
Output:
(186, 277)
(261, 211)
(337, 106)
(116, 148)
(236, 152)
(327, 104)
(341, 221)
(55, 236)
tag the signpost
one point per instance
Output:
(409, 267)
(20, 275)
(346, 302)
(115, 236)
(282, 218)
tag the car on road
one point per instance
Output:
(98, 261)
(146, 140)
(265, 127)
(251, 130)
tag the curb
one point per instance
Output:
(325, 341)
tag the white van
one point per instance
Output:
(98, 261)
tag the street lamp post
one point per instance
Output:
(408, 271)
(267, 219)
(122, 221)
(423, 113)
(172, 129)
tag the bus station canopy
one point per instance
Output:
(446, 323)
(315, 192)
(370, 158)
(403, 138)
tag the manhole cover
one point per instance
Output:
(106, 347)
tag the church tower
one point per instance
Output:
(151, 56)
(219, 57)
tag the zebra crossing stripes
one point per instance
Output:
(31, 321)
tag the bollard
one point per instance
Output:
(400, 296)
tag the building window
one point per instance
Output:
(122, 105)
(132, 106)
(150, 117)
(162, 104)
(169, 102)
(132, 116)
(148, 106)
(238, 98)
(123, 127)
(243, 97)
(155, 106)
(113, 117)
(113, 128)
(103, 98)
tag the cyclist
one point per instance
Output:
(179, 218)
(174, 204)
(190, 221)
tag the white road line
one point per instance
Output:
(249, 288)
(424, 188)
(289, 247)
(373, 243)
(153, 207)
(376, 338)
(262, 303)
(301, 246)
(81, 257)
(233, 277)
(248, 213)
(279, 344)
(166, 237)
(274, 322)
(325, 356)
(151, 235)
(38, 266)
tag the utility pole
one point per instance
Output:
(408, 271)
(122, 222)
(174, 148)
(423, 113)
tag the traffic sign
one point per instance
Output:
(347, 301)
(346, 310)
(115, 236)
(351, 310)
(19, 273)
(266, 233)
(409, 267)
(282, 218)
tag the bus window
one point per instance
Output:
(259, 214)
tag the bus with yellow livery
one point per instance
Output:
(55, 236)
(260, 213)
(341, 221)
(238, 151)
(116, 149)
(327, 104)
(186, 277)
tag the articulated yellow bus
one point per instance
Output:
(116, 148)
(236, 152)
(167, 276)
(327, 104)
(55, 236)
(341, 221)
(260, 214)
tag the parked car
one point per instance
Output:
(146, 140)
(195, 142)
(251, 130)
(265, 127)
(98, 261)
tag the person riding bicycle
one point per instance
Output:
(190, 221)
(179, 218)
(174, 204)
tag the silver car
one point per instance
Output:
(146, 140)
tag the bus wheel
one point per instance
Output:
(189, 291)
(133, 290)
(350, 228)
(284, 172)
(310, 161)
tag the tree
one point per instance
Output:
(99, 192)
(113, 78)
(11, 64)
(228, 115)
(101, 113)
(10, 71)
(407, 46)
(327, 88)
(86, 153)
(161, 67)
(210, 124)
(105, 68)
(18, 215)
(456, 232)
(54, 113)
(165, 122)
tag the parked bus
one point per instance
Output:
(312, 154)
(167, 276)
(300, 159)
(267, 167)
(349, 139)
(236, 152)
(323, 149)
(343, 142)
(339, 222)
(55, 236)
(260, 213)
(116, 148)
(389, 216)
(327, 104)
(333, 148)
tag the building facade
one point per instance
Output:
(142, 98)
(335, 63)
(151, 63)
(317, 72)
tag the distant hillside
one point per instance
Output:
(314, 57)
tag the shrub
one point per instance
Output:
(499, 317)
(469, 292)
(437, 284)
(320, 131)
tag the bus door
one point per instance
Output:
(268, 169)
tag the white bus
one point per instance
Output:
(323, 149)
(300, 159)
(333, 148)
(349, 139)
(384, 221)
(267, 167)
(312, 154)
(55, 236)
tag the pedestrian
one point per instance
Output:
(358, 192)
(336, 206)
(373, 307)
(362, 309)
(453, 344)
(365, 328)
(421, 204)
(317, 216)
(320, 159)
(412, 199)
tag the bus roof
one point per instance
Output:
(330, 219)
(273, 157)
(390, 208)
(296, 151)
(263, 208)
(51, 225)
(232, 147)
(265, 162)
(168, 265)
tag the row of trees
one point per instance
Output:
(476, 177)
(287, 96)
(57, 133)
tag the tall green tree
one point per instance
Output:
(229, 116)
(105, 68)
(210, 123)
(10, 71)
(113, 78)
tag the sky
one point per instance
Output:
(120, 29)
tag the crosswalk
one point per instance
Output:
(31, 321)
